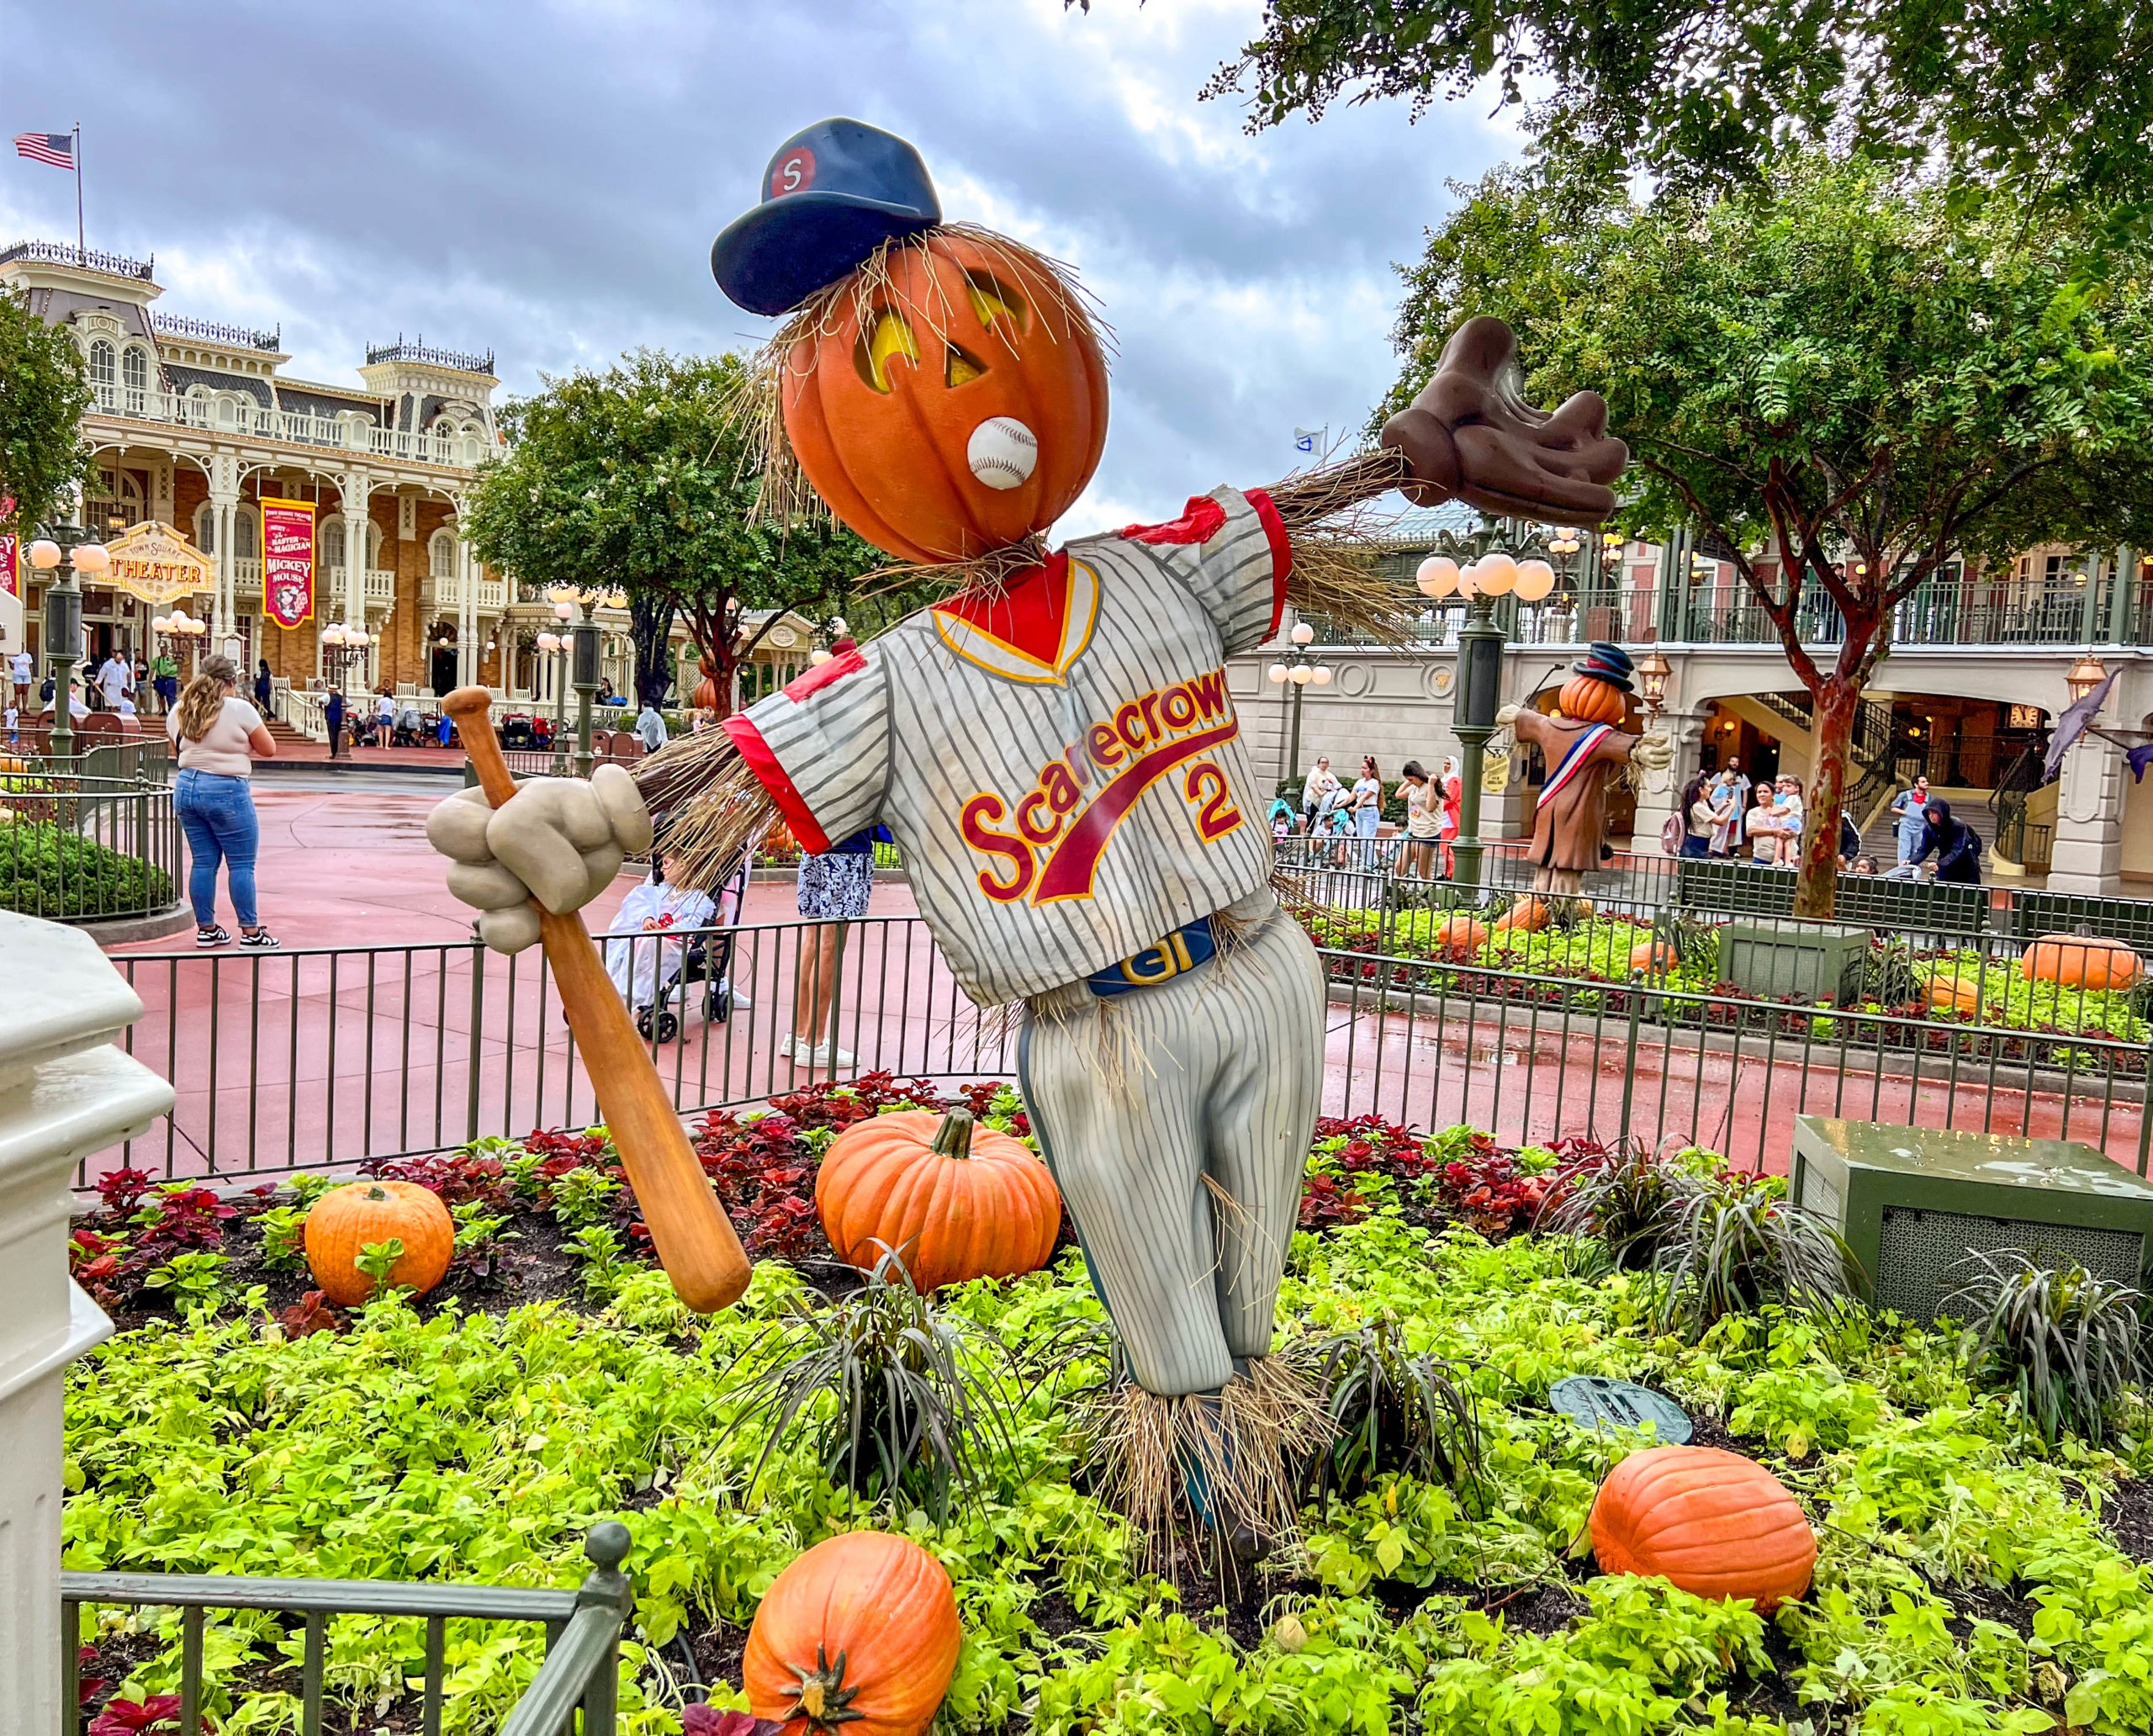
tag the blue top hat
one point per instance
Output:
(1606, 663)
(832, 194)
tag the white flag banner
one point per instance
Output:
(1308, 440)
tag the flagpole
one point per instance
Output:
(82, 251)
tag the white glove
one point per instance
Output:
(1654, 752)
(560, 841)
(1506, 716)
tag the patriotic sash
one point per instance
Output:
(1574, 760)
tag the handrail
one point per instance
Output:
(582, 1630)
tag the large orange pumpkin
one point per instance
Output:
(954, 1199)
(1526, 916)
(1714, 1523)
(1587, 699)
(1459, 937)
(2082, 961)
(1949, 992)
(859, 1634)
(345, 1220)
(881, 400)
(1655, 957)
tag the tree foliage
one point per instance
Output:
(634, 478)
(43, 395)
(1843, 382)
(2049, 98)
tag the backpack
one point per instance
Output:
(1672, 832)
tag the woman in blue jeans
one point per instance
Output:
(219, 736)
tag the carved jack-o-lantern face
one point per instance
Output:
(955, 406)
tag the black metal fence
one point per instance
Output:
(308, 1060)
(80, 848)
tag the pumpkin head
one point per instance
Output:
(954, 1201)
(345, 1220)
(859, 1635)
(1459, 937)
(1586, 699)
(2082, 961)
(1713, 1523)
(895, 373)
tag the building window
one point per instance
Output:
(332, 542)
(135, 374)
(440, 554)
(103, 368)
(247, 535)
(205, 528)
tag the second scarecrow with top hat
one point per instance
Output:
(1055, 748)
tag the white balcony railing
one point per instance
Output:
(491, 594)
(329, 586)
(229, 414)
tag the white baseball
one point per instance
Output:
(1002, 453)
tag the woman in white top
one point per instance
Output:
(219, 736)
(1366, 809)
(1424, 803)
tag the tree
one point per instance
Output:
(633, 478)
(43, 395)
(1830, 374)
(2051, 99)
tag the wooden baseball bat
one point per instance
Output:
(694, 1238)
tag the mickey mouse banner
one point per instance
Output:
(287, 561)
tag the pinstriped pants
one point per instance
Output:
(1176, 1120)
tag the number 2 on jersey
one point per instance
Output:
(1206, 784)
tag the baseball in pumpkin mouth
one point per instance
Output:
(1002, 453)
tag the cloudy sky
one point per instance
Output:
(543, 178)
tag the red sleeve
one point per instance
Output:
(764, 764)
(1282, 553)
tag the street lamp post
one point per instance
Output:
(574, 603)
(1301, 669)
(178, 625)
(550, 645)
(341, 646)
(63, 626)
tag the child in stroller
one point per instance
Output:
(653, 951)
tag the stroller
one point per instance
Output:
(651, 967)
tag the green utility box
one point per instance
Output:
(1913, 1202)
(1804, 961)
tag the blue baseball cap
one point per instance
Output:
(832, 194)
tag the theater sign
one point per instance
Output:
(154, 561)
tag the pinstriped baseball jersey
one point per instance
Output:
(1061, 764)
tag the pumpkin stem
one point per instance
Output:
(376, 1191)
(824, 1701)
(954, 1137)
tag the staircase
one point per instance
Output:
(282, 733)
(1870, 778)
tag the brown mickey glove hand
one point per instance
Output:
(1469, 434)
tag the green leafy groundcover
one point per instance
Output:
(1967, 1583)
(48, 870)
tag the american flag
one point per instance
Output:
(57, 149)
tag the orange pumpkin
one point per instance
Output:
(705, 698)
(345, 1220)
(1714, 1523)
(1587, 699)
(859, 1635)
(1527, 916)
(1655, 957)
(1459, 937)
(2082, 961)
(954, 1201)
(882, 398)
(1949, 992)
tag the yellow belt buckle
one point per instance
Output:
(1173, 957)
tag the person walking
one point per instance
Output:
(22, 672)
(219, 736)
(115, 680)
(1956, 846)
(332, 714)
(164, 680)
(1450, 790)
(650, 727)
(1416, 856)
(1909, 805)
(1366, 809)
(264, 685)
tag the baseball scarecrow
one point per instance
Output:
(1054, 747)
(1583, 748)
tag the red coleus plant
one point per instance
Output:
(309, 1315)
(709, 1720)
(457, 1176)
(1488, 1190)
(152, 1717)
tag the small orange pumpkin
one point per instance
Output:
(859, 1635)
(1526, 916)
(954, 1201)
(1587, 699)
(1655, 957)
(882, 398)
(2082, 961)
(1949, 992)
(1459, 937)
(345, 1220)
(1714, 1523)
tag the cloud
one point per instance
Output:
(544, 180)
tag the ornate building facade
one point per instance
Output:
(194, 424)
